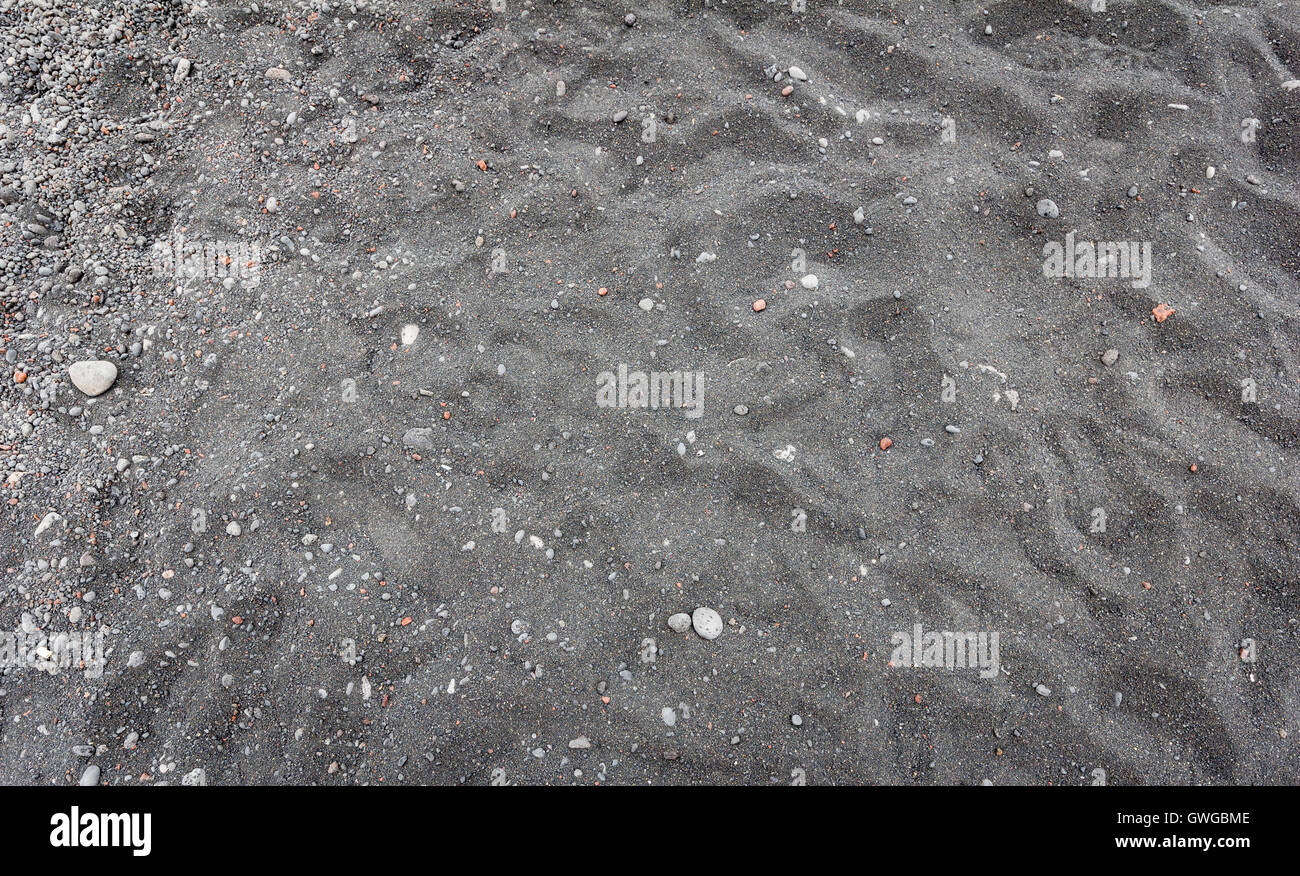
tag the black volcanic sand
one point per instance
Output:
(1119, 649)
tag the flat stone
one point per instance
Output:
(418, 439)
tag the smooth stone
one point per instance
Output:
(1047, 208)
(707, 623)
(808, 281)
(93, 377)
(1110, 357)
(797, 73)
(90, 777)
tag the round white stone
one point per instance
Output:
(707, 622)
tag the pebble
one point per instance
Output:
(680, 622)
(580, 742)
(797, 74)
(620, 116)
(418, 439)
(92, 377)
(49, 520)
(233, 528)
(707, 623)
(1047, 208)
(1110, 357)
(668, 716)
(90, 777)
(808, 281)
(796, 720)
(646, 304)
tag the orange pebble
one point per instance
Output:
(602, 291)
(787, 91)
(1162, 312)
(20, 377)
(760, 305)
(886, 443)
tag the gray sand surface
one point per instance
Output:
(354, 510)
